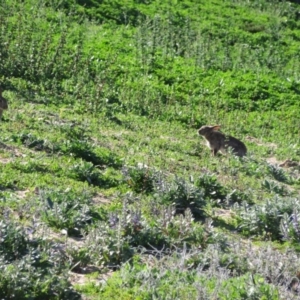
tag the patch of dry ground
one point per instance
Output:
(260, 143)
(288, 163)
(100, 199)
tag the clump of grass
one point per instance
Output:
(77, 143)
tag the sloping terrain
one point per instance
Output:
(107, 191)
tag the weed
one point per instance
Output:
(264, 219)
(66, 210)
(140, 178)
(183, 194)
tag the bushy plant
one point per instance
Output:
(180, 230)
(78, 258)
(108, 246)
(140, 178)
(173, 281)
(278, 267)
(211, 187)
(30, 267)
(129, 231)
(85, 171)
(217, 194)
(248, 286)
(272, 186)
(145, 282)
(278, 173)
(264, 219)
(37, 275)
(183, 194)
(13, 240)
(31, 141)
(66, 210)
(290, 226)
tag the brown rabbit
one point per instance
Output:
(3, 103)
(218, 141)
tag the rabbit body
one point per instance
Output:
(3, 104)
(218, 141)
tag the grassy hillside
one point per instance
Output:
(107, 191)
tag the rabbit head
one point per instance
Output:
(206, 130)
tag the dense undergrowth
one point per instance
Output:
(107, 191)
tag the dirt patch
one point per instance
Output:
(223, 213)
(75, 241)
(288, 163)
(3, 146)
(260, 143)
(273, 160)
(100, 199)
(82, 279)
(10, 149)
(5, 160)
(22, 194)
(78, 279)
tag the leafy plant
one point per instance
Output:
(66, 210)
(248, 286)
(278, 173)
(37, 144)
(290, 226)
(13, 240)
(264, 219)
(211, 187)
(85, 171)
(108, 246)
(27, 279)
(140, 178)
(182, 194)
(29, 267)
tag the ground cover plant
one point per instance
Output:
(107, 191)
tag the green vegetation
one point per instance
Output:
(107, 191)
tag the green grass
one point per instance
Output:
(101, 167)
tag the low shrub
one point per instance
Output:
(66, 210)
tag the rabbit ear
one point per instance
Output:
(216, 127)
